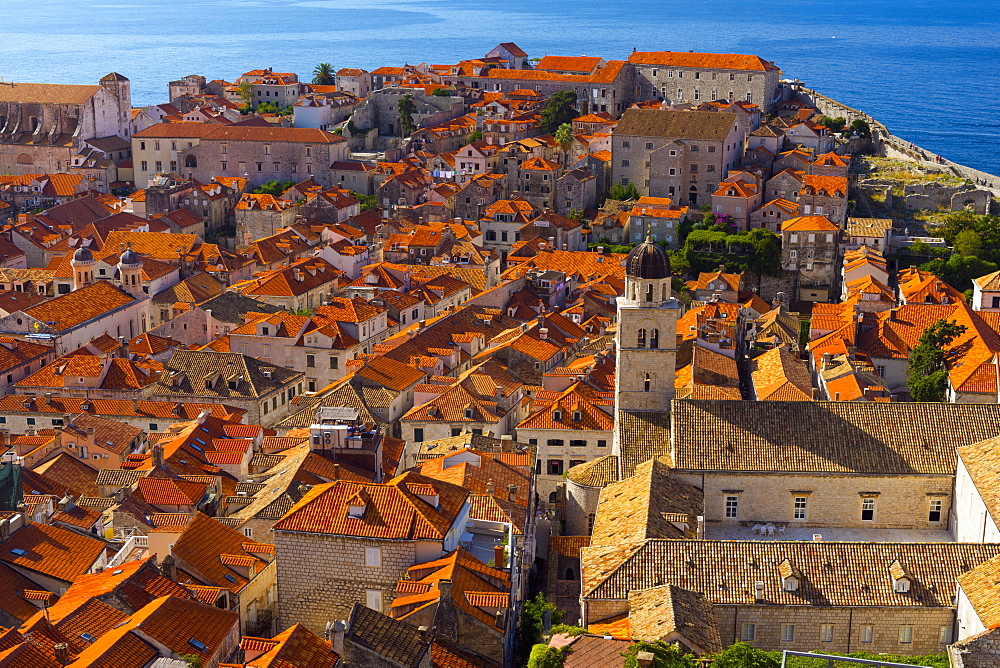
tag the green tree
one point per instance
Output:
(665, 655)
(406, 108)
(959, 270)
(543, 656)
(561, 109)
(245, 91)
(564, 137)
(926, 375)
(621, 193)
(529, 631)
(443, 92)
(366, 201)
(834, 124)
(742, 655)
(861, 128)
(968, 242)
(193, 660)
(273, 187)
(323, 75)
(475, 136)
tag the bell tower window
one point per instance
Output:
(641, 342)
(646, 383)
(654, 339)
(649, 292)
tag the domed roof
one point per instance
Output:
(130, 257)
(647, 260)
(83, 254)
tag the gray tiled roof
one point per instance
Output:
(395, 640)
(837, 574)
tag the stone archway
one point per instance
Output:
(25, 159)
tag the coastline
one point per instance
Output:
(889, 145)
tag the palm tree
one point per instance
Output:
(323, 75)
(564, 137)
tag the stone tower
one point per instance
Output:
(646, 341)
(83, 267)
(130, 271)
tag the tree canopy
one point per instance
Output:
(406, 108)
(926, 375)
(273, 188)
(561, 109)
(323, 75)
(665, 655)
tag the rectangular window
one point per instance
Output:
(625, 163)
(868, 510)
(248, 532)
(788, 633)
(826, 633)
(31, 422)
(749, 632)
(154, 426)
(159, 166)
(576, 462)
(799, 510)
(311, 361)
(455, 431)
(418, 434)
(373, 599)
(880, 370)
(934, 514)
(373, 557)
(334, 362)
(555, 467)
(944, 635)
(225, 167)
(554, 442)
(625, 144)
(905, 635)
(579, 443)
(732, 506)
(867, 634)
(601, 443)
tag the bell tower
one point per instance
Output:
(130, 271)
(83, 267)
(646, 341)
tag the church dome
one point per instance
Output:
(83, 254)
(130, 257)
(647, 260)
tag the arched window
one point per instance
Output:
(570, 574)
(649, 292)
(654, 339)
(664, 291)
(647, 383)
(191, 161)
(553, 497)
(641, 342)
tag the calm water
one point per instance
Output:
(927, 68)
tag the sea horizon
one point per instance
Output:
(916, 66)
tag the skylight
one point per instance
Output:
(88, 637)
(18, 551)
(229, 576)
(197, 644)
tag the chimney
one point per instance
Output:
(337, 637)
(498, 557)
(157, 453)
(893, 314)
(489, 487)
(62, 653)
(758, 590)
(817, 538)
(445, 619)
(644, 659)
(827, 361)
(543, 333)
(511, 493)
(169, 568)
(700, 530)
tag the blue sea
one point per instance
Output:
(929, 69)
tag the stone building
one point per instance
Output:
(684, 76)
(576, 190)
(678, 154)
(262, 389)
(263, 154)
(43, 126)
(796, 595)
(810, 245)
(346, 543)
